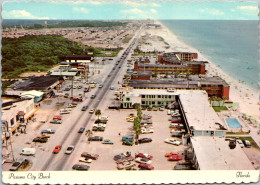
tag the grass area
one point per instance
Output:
(219, 109)
(250, 139)
(236, 133)
(102, 52)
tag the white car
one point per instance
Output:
(99, 125)
(147, 131)
(130, 120)
(69, 150)
(100, 86)
(92, 111)
(172, 141)
(241, 144)
(85, 160)
(169, 112)
(143, 160)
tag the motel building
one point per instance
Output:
(205, 133)
(15, 115)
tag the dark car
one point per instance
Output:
(40, 139)
(100, 121)
(93, 96)
(81, 130)
(84, 108)
(145, 140)
(66, 95)
(95, 138)
(18, 164)
(56, 121)
(80, 167)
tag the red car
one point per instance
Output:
(57, 149)
(57, 117)
(175, 158)
(176, 120)
(146, 166)
(142, 155)
(77, 99)
(171, 153)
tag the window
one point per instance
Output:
(153, 102)
(143, 102)
(159, 96)
(143, 96)
(127, 99)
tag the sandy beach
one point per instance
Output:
(246, 96)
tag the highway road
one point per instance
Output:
(66, 133)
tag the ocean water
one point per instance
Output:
(232, 45)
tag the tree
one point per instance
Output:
(219, 99)
(137, 129)
(98, 113)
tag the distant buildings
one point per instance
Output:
(79, 58)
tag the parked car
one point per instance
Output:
(240, 143)
(57, 117)
(247, 143)
(18, 164)
(147, 131)
(48, 131)
(56, 121)
(145, 140)
(175, 158)
(84, 108)
(143, 155)
(57, 149)
(91, 111)
(146, 166)
(112, 87)
(161, 108)
(85, 160)
(95, 138)
(100, 86)
(69, 150)
(129, 143)
(40, 139)
(107, 141)
(77, 99)
(126, 165)
(80, 167)
(66, 95)
(171, 153)
(81, 130)
(143, 160)
(90, 156)
(172, 141)
(93, 96)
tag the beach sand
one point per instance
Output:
(246, 96)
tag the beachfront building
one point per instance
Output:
(15, 114)
(141, 75)
(180, 67)
(207, 148)
(214, 86)
(79, 58)
(175, 57)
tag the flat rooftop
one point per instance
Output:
(213, 153)
(37, 83)
(199, 113)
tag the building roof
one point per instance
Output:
(174, 83)
(161, 66)
(32, 93)
(78, 57)
(63, 73)
(199, 113)
(37, 83)
(213, 153)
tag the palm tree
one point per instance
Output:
(98, 113)
(219, 99)
(137, 129)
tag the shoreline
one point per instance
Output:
(240, 92)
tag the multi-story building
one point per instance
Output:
(174, 57)
(181, 67)
(214, 86)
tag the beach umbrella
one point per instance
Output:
(250, 116)
(257, 122)
(244, 114)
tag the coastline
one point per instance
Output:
(246, 96)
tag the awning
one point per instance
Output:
(31, 114)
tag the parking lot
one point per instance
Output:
(117, 124)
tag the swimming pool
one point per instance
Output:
(233, 123)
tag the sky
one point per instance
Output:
(126, 9)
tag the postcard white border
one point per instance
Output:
(131, 177)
